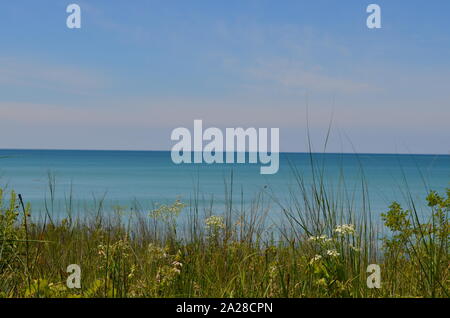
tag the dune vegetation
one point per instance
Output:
(321, 248)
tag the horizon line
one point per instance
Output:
(280, 152)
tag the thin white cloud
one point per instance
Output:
(233, 112)
(293, 75)
(26, 73)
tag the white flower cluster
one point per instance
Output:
(320, 239)
(333, 253)
(316, 258)
(177, 267)
(345, 229)
(215, 222)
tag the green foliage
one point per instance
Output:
(224, 257)
(421, 249)
(11, 236)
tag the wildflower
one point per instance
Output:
(215, 222)
(166, 275)
(314, 238)
(177, 264)
(319, 239)
(176, 267)
(333, 253)
(157, 252)
(345, 229)
(167, 212)
(315, 259)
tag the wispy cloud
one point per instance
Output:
(28, 73)
(294, 75)
(301, 60)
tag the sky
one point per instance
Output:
(138, 69)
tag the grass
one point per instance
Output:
(321, 248)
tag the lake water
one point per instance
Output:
(148, 177)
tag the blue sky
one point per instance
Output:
(138, 69)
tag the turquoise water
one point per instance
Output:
(148, 177)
